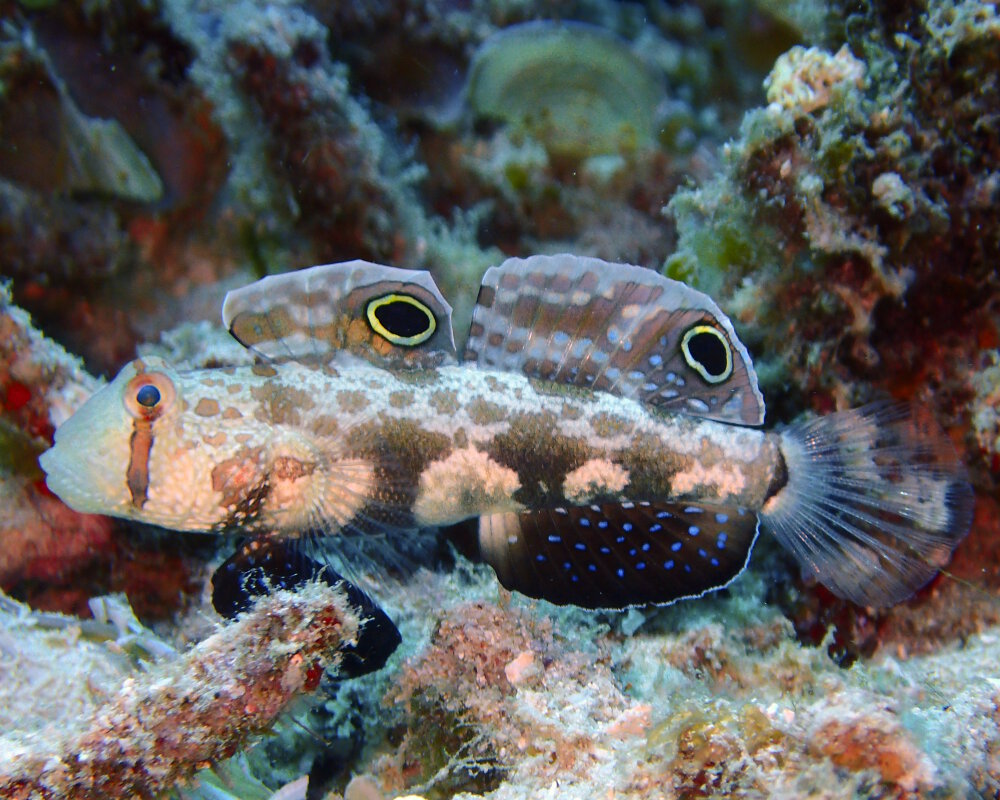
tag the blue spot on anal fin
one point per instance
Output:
(614, 555)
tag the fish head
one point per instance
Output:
(99, 462)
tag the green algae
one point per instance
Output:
(576, 88)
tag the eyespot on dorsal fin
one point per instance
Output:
(616, 328)
(388, 316)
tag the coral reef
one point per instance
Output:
(40, 385)
(516, 700)
(827, 170)
(869, 173)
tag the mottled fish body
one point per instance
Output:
(291, 446)
(600, 426)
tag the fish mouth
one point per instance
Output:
(65, 481)
(85, 467)
(82, 465)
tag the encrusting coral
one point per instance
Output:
(40, 385)
(178, 716)
(852, 204)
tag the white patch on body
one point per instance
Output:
(464, 484)
(595, 477)
(180, 488)
(717, 481)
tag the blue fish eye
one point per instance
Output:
(147, 395)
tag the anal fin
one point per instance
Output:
(614, 555)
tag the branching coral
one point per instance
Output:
(182, 714)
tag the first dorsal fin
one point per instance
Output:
(391, 317)
(617, 328)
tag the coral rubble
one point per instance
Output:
(157, 727)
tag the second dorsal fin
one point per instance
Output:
(616, 328)
(391, 317)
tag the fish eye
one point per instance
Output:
(708, 352)
(401, 319)
(148, 395)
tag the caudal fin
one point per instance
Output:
(876, 500)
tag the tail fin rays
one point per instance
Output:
(876, 501)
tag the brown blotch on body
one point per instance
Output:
(207, 407)
(264, 370)
(286, 468)
(417, 377)
(444, 401)
(606, 425)
(571, 411)
(281, 404)
(352, 402)
(541, 456)
(231, 413)
(650, 466)
(401, 399)
(400, 450)
(242, 482)
(496, 386)
(483, 412)
(324, 425)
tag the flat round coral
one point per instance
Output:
(577, 89)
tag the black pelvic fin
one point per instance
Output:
(263, 565)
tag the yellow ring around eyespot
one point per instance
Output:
(385, 333)
(696, 365)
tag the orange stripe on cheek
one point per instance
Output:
(138, 463)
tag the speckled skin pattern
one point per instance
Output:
(291, 446)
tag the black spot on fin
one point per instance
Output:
(262, 565)
(613, 555)
(311, 316)
(617, 328)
